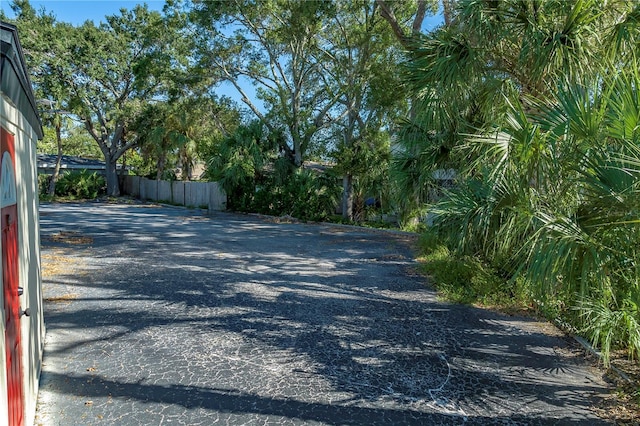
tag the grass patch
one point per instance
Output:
(468, 279)
(377, 224)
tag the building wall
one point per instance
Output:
(32, 327)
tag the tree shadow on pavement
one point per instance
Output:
(234, 318)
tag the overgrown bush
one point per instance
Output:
(303, 194)
(81, 185)
(469, 279)
(43, 184)
(553, 201)
(257, 179)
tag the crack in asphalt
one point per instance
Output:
(232, 319)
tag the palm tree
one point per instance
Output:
(239, 163)
(537, 105)
(464, 76)
(164, 134)
(555, 197)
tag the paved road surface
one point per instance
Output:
(162, 316)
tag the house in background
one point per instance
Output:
(21, 320)
(47, 164)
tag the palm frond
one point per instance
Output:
(610, 324)
(445, 59)
(563, 259)
(568, 49)
(624, 36)
(581, 103)
(623, 112)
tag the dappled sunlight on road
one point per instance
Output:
(231, 318)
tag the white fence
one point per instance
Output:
(207, 195)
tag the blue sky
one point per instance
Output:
(78, 11)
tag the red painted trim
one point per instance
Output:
(10, 282)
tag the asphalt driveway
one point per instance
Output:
(159, 315)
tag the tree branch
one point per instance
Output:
(246, 100)
(265, 44)
(390, 17)
(124, 148)
(419, 18)
(448, 7)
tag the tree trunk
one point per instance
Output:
(298, 158)
(123, 169)
(161, 162)
(56, 170)
(111, 175)
(187, 171)
(347, 196)
(447, 11)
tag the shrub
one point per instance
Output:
(83, 185)
(258, 180)
(469, 279)
(43, 184)
(552, 201)
(302, 194)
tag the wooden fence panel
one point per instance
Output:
(208, 195)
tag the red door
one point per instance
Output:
(9, 222)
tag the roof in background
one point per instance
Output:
(48, 161)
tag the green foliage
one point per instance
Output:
(305, 194)
(561, 213)
(469, 279)
(103, 74)
(466, 77)
(366, 159)
(163, 132)
(43, 185)
(527, 101)
(75, 142)
(324, 71)
(179, 133)
(276, 46)
(239, 164)
(256, 179)
(81, 185)
(611, 325)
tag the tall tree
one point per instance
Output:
(163, 130)
(463, 76)
(410, 167)
(180, 132)
(274, 46)
(106, 72)
(359, 57)
(49, 37)
(323, 70)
